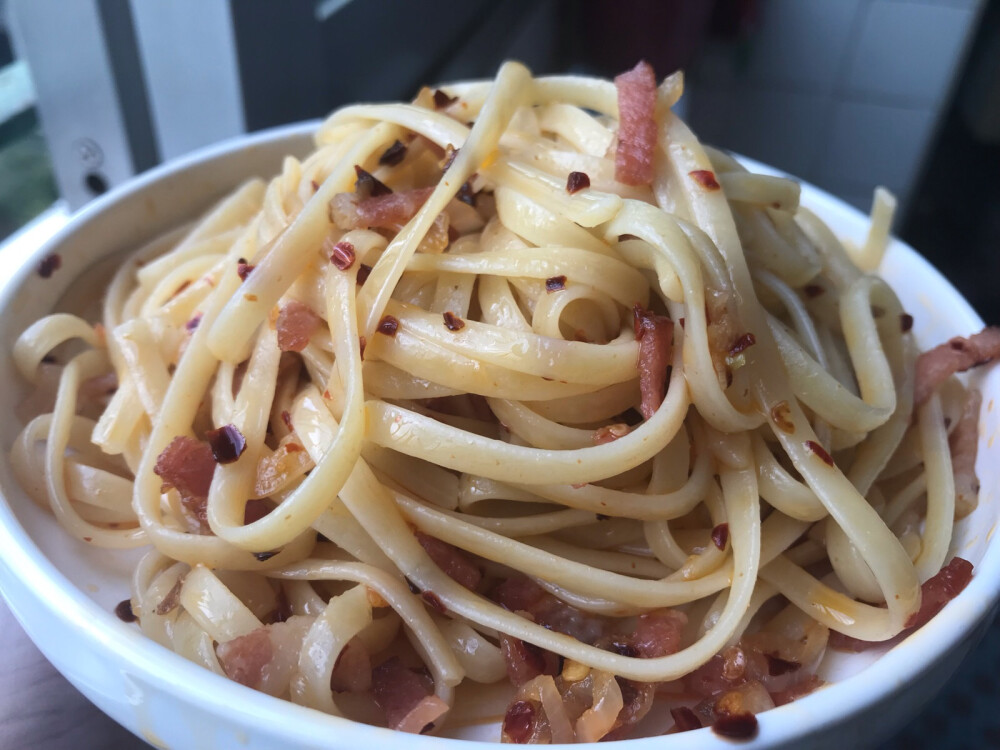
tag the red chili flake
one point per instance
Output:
(193, 322)
(287, 419)
(88, 539)
(777, 666)
(905, 322)
(555, 283)
(367, 186)
(343, 255)
(743, 343)
(49, 265)
(364, 271)
(466, 194)
(820, 451)
(781, 415)
(576, 182)
(362, 344)
(435, 601)
(243, 269)
(682, 322)
(393, 155)
(169, 603)
(264, 556)
(720, 535)
(685, 719)
(442, 100)
(315, 185)
(452, 322)
(124, 611)
(181, 288)
(813, 290)
(741, 726)
(388, 325)
(705, 178)
(227, 443)
(518, 722)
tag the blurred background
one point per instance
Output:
(846, 94)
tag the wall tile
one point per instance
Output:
(801, 42)
(873, 144)
(908, 51)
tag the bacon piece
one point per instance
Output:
(243, 659)
(935, 592)
(520, 723)
(384, 211)
(655, 334)
(187, 465)
(964, 444)
(296, 324)
(941, 589)
(637, 125)
(352, 672)
(658, 633)
(525, 661)
(521, 594)
(453, 561)
(398, 690)
(610, 432)
(956, 355)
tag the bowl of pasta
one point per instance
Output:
(510, 413)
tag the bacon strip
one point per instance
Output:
(936, 592)
(398, 690)
(453, 561)
(296, 324)
(637, 125)
(964, 444)
(655, 334)
(383, 211)
(243, 659)
(957, 355)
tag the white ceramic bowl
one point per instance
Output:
(63, 592)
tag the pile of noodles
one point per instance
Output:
(513, 402)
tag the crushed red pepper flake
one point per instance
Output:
(434, 600)
(364, 271)
(720, 535)
(287, 419)
(124, 612)
(743, 343)
(193, 322)
(905, 322)
(576, 182)
(820, 451)
(442, 100)
(243, 269)
(452, 322)
(781, 415)
(555, 283)
(388, 325)
(315, 185)
(227, 443)
(367, 185)
(705, 178)
(394, 154)
(740, 726)
(362, 344)
(343, 255)
(49, 265)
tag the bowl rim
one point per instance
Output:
(186, 682)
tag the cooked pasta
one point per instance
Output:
(517, 384)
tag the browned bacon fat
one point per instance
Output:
(637, 125)
(187, 465)
(383, 211)
(296, 324)
(655, 334)
(957, 355)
